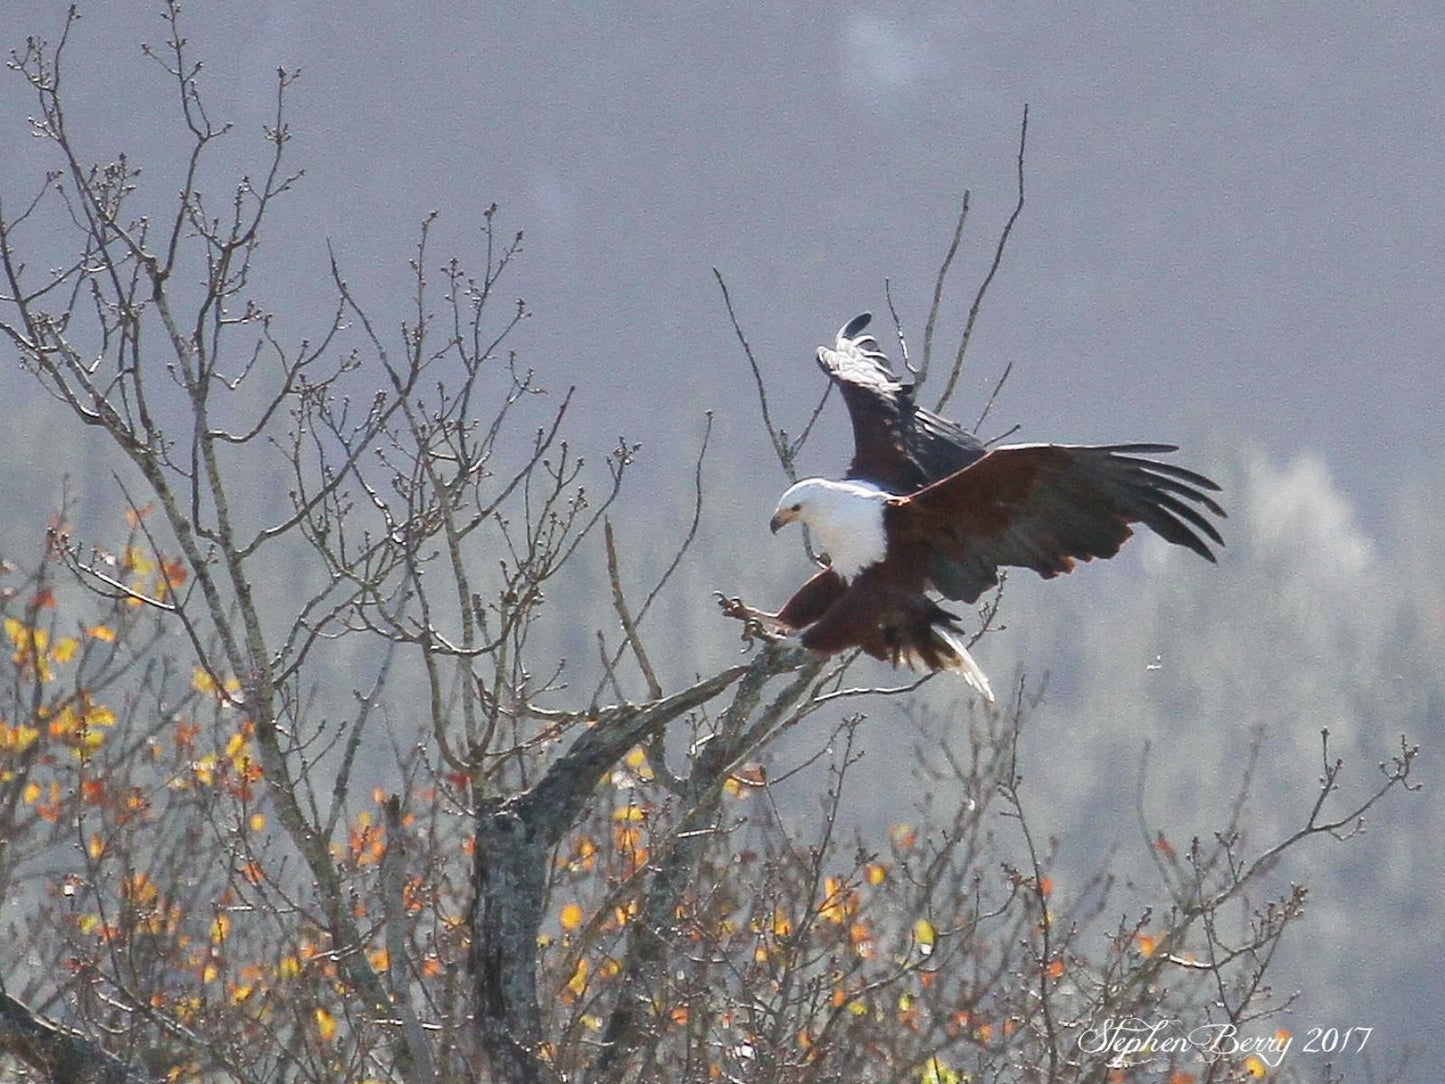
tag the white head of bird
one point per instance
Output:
(846, 518)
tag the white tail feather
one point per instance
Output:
(964, 665)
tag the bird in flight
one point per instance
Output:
(926, 510)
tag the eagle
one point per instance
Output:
(928, 510)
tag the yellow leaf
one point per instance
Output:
(135, 560)
(257, 822)
(833, 908)
(875, 874)
(99, 715)
(205, 769)
(31, 793)
(782, 926)
(289, 967)
(1255, 1067)
(925, 936)
(65, 649)
(571, 917)
(325, 1024)
(102, 632)
(142, 889)
(220, 928)
(578, 982)
(17, 738)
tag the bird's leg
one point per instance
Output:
(757, 624)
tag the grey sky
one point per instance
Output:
(1233, 218)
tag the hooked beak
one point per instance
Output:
(781, 519)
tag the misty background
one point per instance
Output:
(1232, 241)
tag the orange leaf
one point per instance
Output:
(902, 836)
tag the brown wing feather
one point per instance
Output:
(812, 600)
(1044, 506)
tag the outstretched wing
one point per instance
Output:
(1045, 506)
(897, 444)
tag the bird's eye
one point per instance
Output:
(797, 508)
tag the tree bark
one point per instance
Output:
(514, 839)
(63, 1055)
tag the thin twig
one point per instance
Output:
(992, 396)
(774, 434)
(922, 373)
(897, 328)
(629, 627)
(992, 271)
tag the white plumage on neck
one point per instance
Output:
(845, 517)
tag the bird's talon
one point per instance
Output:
(757, 625)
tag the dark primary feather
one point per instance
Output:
(1044, 506)
(898, 444)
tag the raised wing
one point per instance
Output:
(1045, 506)
(897, 444)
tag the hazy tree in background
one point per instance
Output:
(368, 546)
